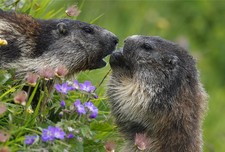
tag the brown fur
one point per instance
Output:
(24, 24)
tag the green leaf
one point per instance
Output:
(86, 132)
(4, 76)
(79, 147)
(102, 126)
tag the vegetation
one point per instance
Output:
(197, 25)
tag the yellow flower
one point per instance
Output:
(30, 110)
(3, 42)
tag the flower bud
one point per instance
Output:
(70, 136)
(31, 78)
(141, 141)
(61, 71)
(47, 73)
(20, 98)
(4, 149)
(3, 108)
(110, 146)
(63, 104)
(73, 11)
(61, 114)
(29, 110)
(4, 136)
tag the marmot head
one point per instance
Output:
(78, 45)
(153, 61)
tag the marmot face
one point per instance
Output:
(34, 44)
(155, 60)
(81, 45)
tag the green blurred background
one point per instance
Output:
(197, 25)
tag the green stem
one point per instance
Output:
(36, 110)
(13, 89)
(32, 95)
(94, 20)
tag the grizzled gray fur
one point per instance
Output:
(155, 90)
(34, 44)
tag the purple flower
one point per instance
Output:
(63, 104)
(86, 86)
(29, 140)
(64, 88)
(94, 114)
(70, 135)
(89, 105)
(75, 85)
(59, 133)
(93, 110)
(48, 134)
(96, 96)
(51, 133)
(80, 108)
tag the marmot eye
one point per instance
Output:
(147, 46)
(88, 29)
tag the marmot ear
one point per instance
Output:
(62, 28)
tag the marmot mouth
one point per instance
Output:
(119, 61)
(117, 56)
(100, 63)
(116, 59)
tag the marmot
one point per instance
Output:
(34, 43)
(155, 90)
